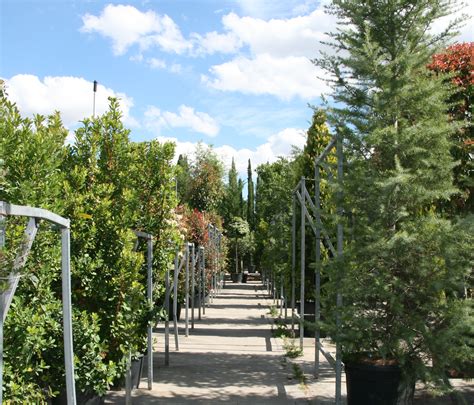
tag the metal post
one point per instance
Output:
(340, 173)
(193, 282)
(167, 318)
(2, 245)
(150, 303)
(204, 281)
(293, 265)
(281, 295)
(186, 314)
(175, 302)
(303, 251)
(67, 316)
(317, 307)
(128, 380)
(200, 281)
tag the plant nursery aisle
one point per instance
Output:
(230, 357)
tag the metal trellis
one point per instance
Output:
(35, 215)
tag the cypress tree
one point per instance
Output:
(250, 198)
(404, 265)
(231, 203)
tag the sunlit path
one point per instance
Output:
(230, 356)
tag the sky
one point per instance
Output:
(235, 74)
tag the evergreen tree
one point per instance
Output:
(404, 265)
(183, 179)
(250, 198)
(242, 208)
(231, 202)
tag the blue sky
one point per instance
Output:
(232, 73)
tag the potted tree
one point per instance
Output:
(238, 232)
(404, 262)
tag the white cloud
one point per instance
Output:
(270, 8)
(200, 122)
(298, 36)
(127, 26)
(283, 77)
(156, 63)
(214, 42)
(72, 96)
(279, 144)
(466, 32)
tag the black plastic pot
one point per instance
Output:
(178, 312)
(82, 398)
(136, 368)
(236, 277)
(372, 383)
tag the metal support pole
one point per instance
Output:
(200, 281)
(150, 303)
(281, 295)
(317, 306)
(293, 265)
(2, 245)
(186, 311)
(303, 254)
(340, 235)
(167, 309)
(204, 281)
(128, 380)
(193, 282)
(67, 315)
(175, 302)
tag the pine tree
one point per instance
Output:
(404, 265)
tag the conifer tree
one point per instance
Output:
(231, 203)
(404, 265)
(250, 198)
(183, 179)
(242, 209)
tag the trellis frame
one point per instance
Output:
(302, 198)
(35, 215)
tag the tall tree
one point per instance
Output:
(231, 202)
(404, 263)
(207, 186)
(242, 208)
(183, 179)
(250, 198)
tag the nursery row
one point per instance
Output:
(109, 188)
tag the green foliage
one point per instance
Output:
(207, 187)
(103, 208)
(250, 198)
(231, 201)
(240, 242)
(183, 178)
(292, 350)
(404, 266)
(456, 64)
(107, 186)
(273, 212)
